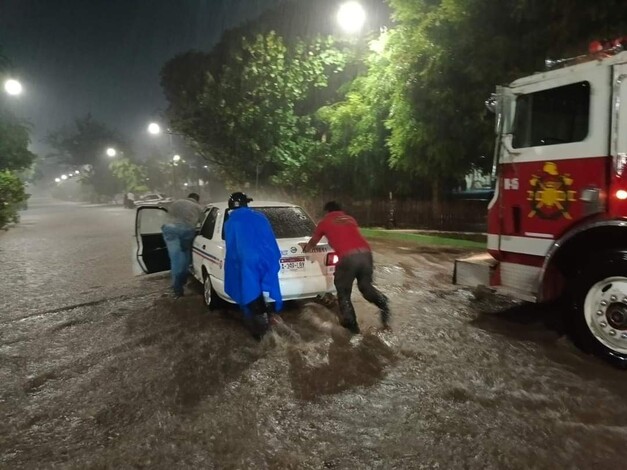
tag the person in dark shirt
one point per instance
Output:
(355, 262)
(178, 234)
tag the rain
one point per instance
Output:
(111, 111)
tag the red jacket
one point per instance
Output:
(342, 232)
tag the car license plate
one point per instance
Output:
(293, 264)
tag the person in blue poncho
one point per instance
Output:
(252, 263)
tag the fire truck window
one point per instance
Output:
(549, 117)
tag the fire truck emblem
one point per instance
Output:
(551, 194)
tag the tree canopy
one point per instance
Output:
(246, 117)
(83, 146)
(14, 157)
(393, 110)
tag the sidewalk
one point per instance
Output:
(412, 236)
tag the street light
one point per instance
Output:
(176, 158)
(57, 180)
(111, 152)
(154, 128)
(351, 17)
(13, 87)
(63, 177)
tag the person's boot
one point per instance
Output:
(384, 311)
(385, 317)
(258, 324)
(347, 316)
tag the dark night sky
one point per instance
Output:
(104, 56)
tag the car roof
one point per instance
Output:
(253, 204)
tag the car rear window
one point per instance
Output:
(287, 222)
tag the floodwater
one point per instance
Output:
(100, 369)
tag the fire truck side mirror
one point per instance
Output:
(507, 143)
(491, 102)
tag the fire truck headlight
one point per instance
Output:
(621, 194)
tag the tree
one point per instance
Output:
(14, 157)
(12, 197)
(246, 118)
(448, 55)
(413, 113)
(131, 175)
(83, 145)
(358, 159)
(158, 172)
(14, 141)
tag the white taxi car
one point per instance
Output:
(302, 275)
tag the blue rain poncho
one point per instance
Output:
(252, 260)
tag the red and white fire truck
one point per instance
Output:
(557, 225)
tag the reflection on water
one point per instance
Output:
(121, 376)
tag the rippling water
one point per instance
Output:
(101, 370)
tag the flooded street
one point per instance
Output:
(100, 369)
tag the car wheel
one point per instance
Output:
(210, 296)
(599, 307)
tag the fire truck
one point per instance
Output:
(557, 224)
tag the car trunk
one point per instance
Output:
(296, 264)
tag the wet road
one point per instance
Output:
(99, 370)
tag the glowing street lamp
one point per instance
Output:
(154, 128)
(63, 177)
(351, 17)
(111, 152)
(176, 158)
(77, 172)
(57, 180)
(13, 87)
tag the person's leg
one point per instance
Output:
(175, 252)
(343, 279)
(257, 320)
(175, 236)
(187, 240)
(367, 289)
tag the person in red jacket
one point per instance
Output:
(355, 262)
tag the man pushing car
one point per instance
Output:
(252, 263)
(355, 262)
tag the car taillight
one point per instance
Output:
(332, 259)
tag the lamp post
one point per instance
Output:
(175, 161)
(351, 17)
(13, 87)
(155, 129)
(257, 168)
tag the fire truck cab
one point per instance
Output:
(557, 225)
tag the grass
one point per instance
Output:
(421, 239)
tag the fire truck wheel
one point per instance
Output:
(599, 324)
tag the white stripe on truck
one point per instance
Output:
(525, 245)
